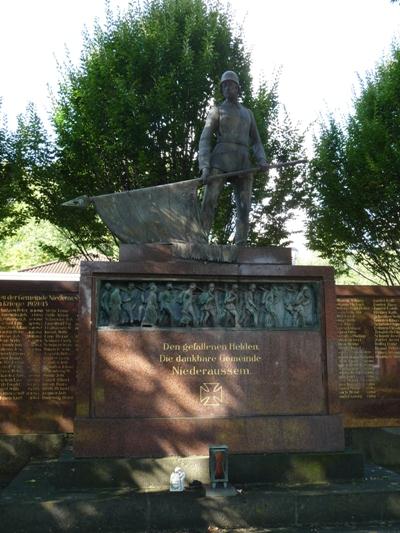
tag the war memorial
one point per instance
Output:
(181, 345)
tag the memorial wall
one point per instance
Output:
(38, 332)
(38, 354)
(368, 321)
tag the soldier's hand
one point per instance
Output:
(264, 167)
(205, 173)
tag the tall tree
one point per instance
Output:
(354, 180)
(130, 115)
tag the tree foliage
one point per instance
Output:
(130, 115)
(25, 180)
(354, 180)
(29, 245)
(12, 213)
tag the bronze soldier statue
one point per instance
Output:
(235, 129)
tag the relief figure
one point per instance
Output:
(289, 297)
(150, 315)
(270, 300)
(167, 306)
(189, 314)
(301, 308)
(132, 305)
(105, 304)
(209, 306)
(250, 310)
(231, 307)
(115, 307)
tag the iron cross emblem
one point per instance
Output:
(211, 394)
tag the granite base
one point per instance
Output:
(111, 437)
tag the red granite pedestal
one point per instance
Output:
(175, 389)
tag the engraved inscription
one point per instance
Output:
(387, 327)
(37, 346)
(208, 359)
(369, 347)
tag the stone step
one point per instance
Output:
(379, 445)
(154, 473)
(32, 503)
(17, 450)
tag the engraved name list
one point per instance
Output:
(37, 346)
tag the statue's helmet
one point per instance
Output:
(230, 75)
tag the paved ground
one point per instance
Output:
(377, 528)
(383, 527)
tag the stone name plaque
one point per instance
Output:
(38, 332)
(368, 320)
